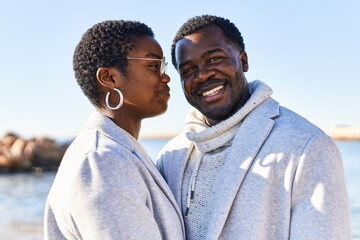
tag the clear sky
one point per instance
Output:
(307, 51)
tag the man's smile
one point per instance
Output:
(212, 91)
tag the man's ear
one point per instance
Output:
(105, 77)
(244, 61)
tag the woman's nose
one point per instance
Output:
(165, 78)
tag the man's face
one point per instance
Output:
(212, 73)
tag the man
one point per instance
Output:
(245, 167)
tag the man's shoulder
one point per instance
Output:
(285, 118)
(290, 117)
(178, 142)
(294, 127)
(176, 148)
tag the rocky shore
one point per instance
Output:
(38, 154)
(44, 154)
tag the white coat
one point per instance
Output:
(107, 187)
(283, 179)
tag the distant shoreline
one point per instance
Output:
(344, 133)
(337, 133)
(154, 136)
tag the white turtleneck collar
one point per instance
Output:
(209, 138)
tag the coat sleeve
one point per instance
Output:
(112, 200)
(160, 164)
(320, 206)
(176, 150)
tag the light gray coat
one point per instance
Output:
(283, 179)
(107, 187)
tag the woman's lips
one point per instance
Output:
(165, 91)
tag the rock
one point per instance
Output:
(40, 153)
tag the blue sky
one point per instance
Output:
(307, 51)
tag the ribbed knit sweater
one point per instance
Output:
(212, 145)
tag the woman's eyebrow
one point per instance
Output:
(153, 55)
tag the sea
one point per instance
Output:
(23, 195)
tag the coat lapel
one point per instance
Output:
(246, 144)
(179, 174)
(176, 163)
(149, 164)
(106, 126)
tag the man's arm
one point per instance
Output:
(320, 205)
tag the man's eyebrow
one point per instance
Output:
(184, 63)
(209, 52)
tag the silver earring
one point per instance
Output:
(120, 102)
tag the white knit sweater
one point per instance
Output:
(206, 160)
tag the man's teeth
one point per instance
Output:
(212, 91)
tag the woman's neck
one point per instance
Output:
(125, 121)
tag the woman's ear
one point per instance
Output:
(105, 77)
(244, 61)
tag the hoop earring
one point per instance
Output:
(120, 102)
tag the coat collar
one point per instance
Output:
(248, 141)
(175, 163)
(104, 125)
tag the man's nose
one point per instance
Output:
(204, 72)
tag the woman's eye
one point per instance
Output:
(155, 66)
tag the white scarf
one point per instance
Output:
(210, 138)
(212, 145)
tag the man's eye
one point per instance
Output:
(187, 71)
(214, 59)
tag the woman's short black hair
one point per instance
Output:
(101, 43)
(197, 23)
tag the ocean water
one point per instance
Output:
(350, 152)
(23, 196)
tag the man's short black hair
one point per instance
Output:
(101, 43)
(197, 23)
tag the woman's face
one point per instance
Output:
(146, 92)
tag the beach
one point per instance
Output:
(23, 195)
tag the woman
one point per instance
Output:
(107, 187)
